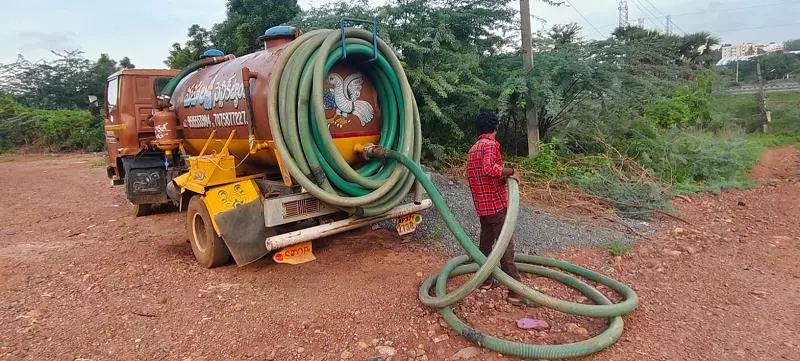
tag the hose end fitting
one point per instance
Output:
(372, 151)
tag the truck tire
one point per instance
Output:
(141, 210)
(208, 248)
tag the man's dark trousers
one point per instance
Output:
(490, 231)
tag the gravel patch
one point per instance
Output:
(536, 231)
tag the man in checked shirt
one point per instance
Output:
(487, 183)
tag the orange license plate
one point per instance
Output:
(407, 223)
(295, 254)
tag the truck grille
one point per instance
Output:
(300, 207)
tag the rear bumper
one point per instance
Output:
(323, 230)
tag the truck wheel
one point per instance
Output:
(208, 248)
(141, 210)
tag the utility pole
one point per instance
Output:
(668, 21)
(763, 113)
(737, 70)
(623, 13)
(527, 65)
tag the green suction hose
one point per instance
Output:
(300, 131)
(166, 93)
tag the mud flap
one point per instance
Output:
(145, 179)
(242, 228)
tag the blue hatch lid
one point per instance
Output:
(210, 53)
(280, 31)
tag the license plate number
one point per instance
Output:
(295, 254)
(407, 223)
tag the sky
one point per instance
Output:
(144, 30)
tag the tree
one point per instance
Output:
(65, 82)
(697, 48)
(125, 63)
(792, 45)
(98, 73)
(563, 78)
(246, 20)
(778, 65)
(60, 83)
(327, 16)
(181, 56)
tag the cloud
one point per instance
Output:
(39, 41)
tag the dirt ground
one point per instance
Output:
(80, 278)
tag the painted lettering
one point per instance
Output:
(215, 93)
(216, 120)
(198, 121)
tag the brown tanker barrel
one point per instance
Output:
(213, 98)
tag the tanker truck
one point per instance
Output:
(216, 140)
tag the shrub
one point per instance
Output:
(629, 197)
(53, 130)
(618, 248)
(545, 164)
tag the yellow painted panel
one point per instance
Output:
(116, 127)
(346, 145)
(229, 196)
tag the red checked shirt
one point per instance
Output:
(485, 175)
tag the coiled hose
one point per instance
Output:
(300, 132)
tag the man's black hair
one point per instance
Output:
(486, 122)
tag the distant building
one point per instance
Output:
(740, 50)
(772, 47)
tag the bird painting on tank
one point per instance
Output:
(344, 98)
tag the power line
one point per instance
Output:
(640, 5)
(669, 18)
(584, 18)
(734, 9)
(665, 16)
(654, 7)
(636, 3)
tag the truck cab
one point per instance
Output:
(129, 105)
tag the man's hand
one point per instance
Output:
(511, 173)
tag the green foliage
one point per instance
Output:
(125, 63)
(688, 106)
(563, 78)
(63, 83)
(327, 16)
(238, 34)
(246, 20)
(54, 130)
(545, 164)
(43, 104)
(630, 197)
(774, 66)
(181, 56)
(618, 248)
(778, 65)
(667, 112)
(792, 45)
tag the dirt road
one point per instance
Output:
(82, 279)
